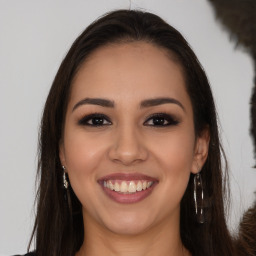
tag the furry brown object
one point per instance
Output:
(239, 18)
(246, 241)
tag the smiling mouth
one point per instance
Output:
(127, 188)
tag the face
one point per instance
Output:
(129, 143)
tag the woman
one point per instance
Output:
(130, 160)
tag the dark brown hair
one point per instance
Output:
(59, 225)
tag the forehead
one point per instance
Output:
(130, 70)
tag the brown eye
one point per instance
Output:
(161, 120)
(95, 120)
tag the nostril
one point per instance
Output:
(128, 153)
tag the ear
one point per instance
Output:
(201, 150)
(62, 154)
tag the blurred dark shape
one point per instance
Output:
(246, 239)
(239, 19)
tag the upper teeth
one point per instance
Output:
(127, 186)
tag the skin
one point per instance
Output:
(130, 142)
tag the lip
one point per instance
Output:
(126, 198)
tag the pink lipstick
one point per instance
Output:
(127, 188)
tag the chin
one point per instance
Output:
(129, 224)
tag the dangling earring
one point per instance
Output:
(65, 182)
(199, 198)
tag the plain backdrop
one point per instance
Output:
(34, 37)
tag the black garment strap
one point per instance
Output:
(28, 254)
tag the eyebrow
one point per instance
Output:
(144, 104)
(160, 101)
(95, 101)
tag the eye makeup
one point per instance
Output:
(155, 120)
(161, 120)
(95, 119)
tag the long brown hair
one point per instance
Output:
(58, 227)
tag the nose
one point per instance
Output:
(128, 147)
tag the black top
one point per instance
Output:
(28, 254)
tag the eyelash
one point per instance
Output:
(164, 117)
(171, 121)
(85, 120)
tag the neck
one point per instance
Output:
(163, 240)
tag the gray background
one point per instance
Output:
(34, 37)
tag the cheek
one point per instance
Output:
(175, 158)
(175, 151)
(82, 156)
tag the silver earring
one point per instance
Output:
(199, 198)
(65, 182)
